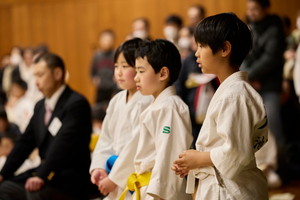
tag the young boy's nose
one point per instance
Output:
(136, 78)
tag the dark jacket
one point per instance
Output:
(65, 156)
(265, 61)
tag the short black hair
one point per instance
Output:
(161, 53)
(263, 3)
(174, 19)
(215, 30)
(53, 61)
(128, 49)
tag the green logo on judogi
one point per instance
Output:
(167, 129)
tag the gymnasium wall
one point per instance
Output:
(70, 27)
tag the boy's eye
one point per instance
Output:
(140, 71)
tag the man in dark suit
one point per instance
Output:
(60, 128)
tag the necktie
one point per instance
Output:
(48, 114)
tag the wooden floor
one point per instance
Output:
(293, 187)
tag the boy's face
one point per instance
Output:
(207, 61)
(147, 81)
(124, 74)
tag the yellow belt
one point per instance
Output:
(135, 182)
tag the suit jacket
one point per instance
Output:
(65, 156)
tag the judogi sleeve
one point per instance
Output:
(172, 137)
(104, 146)
(236, 122)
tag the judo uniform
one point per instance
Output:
(234, 129)
(165, 133)
(119, 126)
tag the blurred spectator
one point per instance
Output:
(9, 133)
(102, 68)
(8, 129)
(289, 54)
(6, 74)
(19, 108)
(173, 24)
(296, 73)
(292, 40)
(16, 56)
(296, 33)
(5, 62)
(264, 65)
(24, 71)
(140, 28)
(195, 14)
(98, 114)
(186, 42)
(185, 85)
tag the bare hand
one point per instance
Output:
(178, 171)
(192, 159)
(98, 175)
(106, 186)
(1, 178)
(34, 184)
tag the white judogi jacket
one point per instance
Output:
(165, 133)
(234, 129)
(121, 123)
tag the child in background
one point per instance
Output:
(165, 127)
(9, 133)
(98, 115)
(235, 126)
(19, 107)
(121, 118)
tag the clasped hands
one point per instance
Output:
(100, 178)
(190, 159)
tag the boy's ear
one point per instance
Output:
(226, 50)
(164, 73)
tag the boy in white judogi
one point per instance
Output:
(121, 121)
(235, 126)
(165, 125)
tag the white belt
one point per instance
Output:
(201, 174)
(204, 172)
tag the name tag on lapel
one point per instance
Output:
(54, 126)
